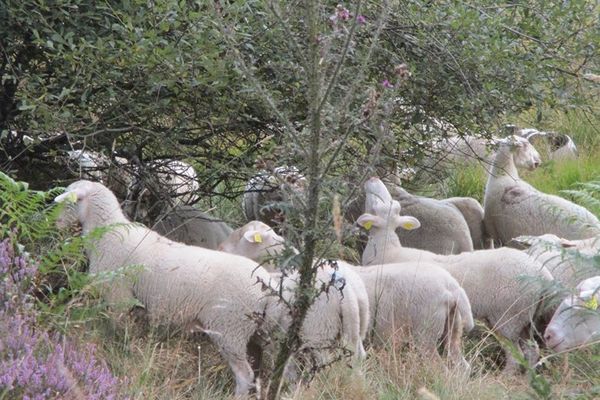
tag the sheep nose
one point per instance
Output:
(536, 164)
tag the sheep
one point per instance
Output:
(188, 225)
(265, 193)
(420, 300)
(172, 182)
(491, 278)
(457, 150)
(332, 320)
(388, 294)
(512, 207)
(259, 242)
(472, 212)
(445, 229)
(576, 322)
(557, 146)
(569, 261)
(160, 185)
(176, 284)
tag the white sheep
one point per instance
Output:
(569, 261)
(418, 301)
(512, 207)
(190, 287)
(503, 284)
(472, 211)
(576, 322)
(445, 228)
(332, 321)
(392, 300)
(558, 146)
(187, 224)
(257, 241)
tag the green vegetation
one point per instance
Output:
(341, 91)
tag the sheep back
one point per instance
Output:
(186, 224)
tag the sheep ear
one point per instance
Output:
(409, 223)
(368, 221)
(71, 196)
(567, 243)
(590, 298)
(254, 236)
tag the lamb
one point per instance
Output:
(265, 193)
(504, 285)
(576, 322)
(445, 229)
(185, 286)
(569, 261)
(389, 295)
(512, 207)
(188, 225)
(257, 241)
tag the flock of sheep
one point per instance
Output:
(429, 267)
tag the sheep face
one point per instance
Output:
(387, 216)
(255, 240)
(576, 322)
(524, 154)
(75, 207)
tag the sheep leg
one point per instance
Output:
(512, 365)
(235, 355)
(243, 374)
(454, 330)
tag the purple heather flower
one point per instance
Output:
(386, 84)
(33, 363)
(361, 19)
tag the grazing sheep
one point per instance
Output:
(186, 224)
(472, 211)
(185, 286)
(569, 261)
(457, 150)
(576, 322)
(332, 320)
(557, 146)
(257, 241)
(160, 185)
(391, 300)
(266, 192)
(420, 301)
(503, 284)
(445, 230)
(512, 207)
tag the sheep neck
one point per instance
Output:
(385, 237)
(504, 164)
(102, 211)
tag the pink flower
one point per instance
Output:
(342, 12)
(386, 84)
(361, 19)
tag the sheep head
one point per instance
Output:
(524, 154)
(576, 322)
(255, 240)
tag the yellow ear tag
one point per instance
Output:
(591, 304)
(408, 225)
(257, 238)
(71, 197)
(368, 225)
